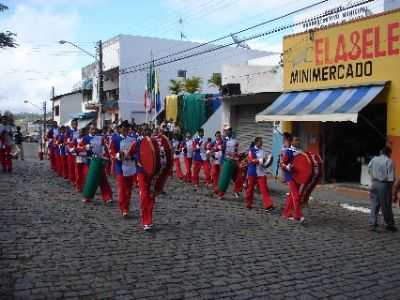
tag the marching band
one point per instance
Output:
(142, 158)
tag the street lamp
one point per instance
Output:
(100, 75)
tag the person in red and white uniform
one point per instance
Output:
(95, 147)
(6, 144)
(61, 143)
(123, 148)
(147, 198)
(187, 156)
(256, 175)
(217, 148)
(177, 146)
(51, 146)
(200, 160)
(81, 161)
(72, 136)
(292, 209)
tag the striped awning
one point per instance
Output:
(340, 104)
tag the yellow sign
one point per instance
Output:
(358, 52)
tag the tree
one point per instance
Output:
(175, 86)
(193, 85)
(7, 38)
(215, 81)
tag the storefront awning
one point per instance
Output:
(339, 104)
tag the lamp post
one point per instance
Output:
(43, 135)
(100, 73)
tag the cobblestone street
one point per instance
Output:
(53, 246)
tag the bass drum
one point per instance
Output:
(166, 162)
(93, 177)
(302, 168)
(228, 171)
(315, 178)
(149, 158)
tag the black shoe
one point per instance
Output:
(270, 209)
(391, 228)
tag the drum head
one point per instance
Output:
(302, 168)
(148, 156)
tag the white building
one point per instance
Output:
(124, 93)
(66, 105)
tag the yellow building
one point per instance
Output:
(342, 92)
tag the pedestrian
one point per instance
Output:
(81, 166)
(18, 141)
(292, 209)
(72, 136)
(177, 146)
(200, 159)
(187, 156)
(216, 160)
(123, 148)
(381, 170)
(256, 175)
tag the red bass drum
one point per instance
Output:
(149, 156)
(302, 168)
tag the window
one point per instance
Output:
(57, 110)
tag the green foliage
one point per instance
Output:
(7, 38)
(216, 81)
(193, 85)
(175, 86)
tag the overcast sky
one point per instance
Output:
(29, 71)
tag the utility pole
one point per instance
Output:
(44, 127)
(52, 102)
(100, 82)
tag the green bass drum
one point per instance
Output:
(93, 178)
(228, 171)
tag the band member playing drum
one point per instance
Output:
(256, 174)
(188, 153)
(216, 159)
(200, 159)
(292, 208)
(94, 144)
(147, 198)
(123, 149)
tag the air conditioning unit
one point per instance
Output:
(182, 74)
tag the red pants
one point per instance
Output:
(64, 166)
(292, 205)
(239, 180)
(178, 169)
(81, 170)
(196, 170)
(188, 166)
(146, 199)
(161, 180)
(57, 159)
(5, 157)
(106, 192)
(71, 168)
(107, 167)
(216, 170)
(124, 186)
(261, 181)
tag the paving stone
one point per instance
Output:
(55, 247)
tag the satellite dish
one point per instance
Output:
(239, 43)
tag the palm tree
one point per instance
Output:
(175, 86)
(215, 81)
(193, 85)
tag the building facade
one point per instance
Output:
(124, 89)
(341, 93)
(66, 105)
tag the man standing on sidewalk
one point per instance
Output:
(381, 169)
(18, 139)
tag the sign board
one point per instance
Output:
(336, 13)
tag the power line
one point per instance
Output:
(255, 36)
(226, 36)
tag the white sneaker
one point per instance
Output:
(236, 195)
(301, 221)
(147, 227)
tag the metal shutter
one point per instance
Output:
(246, 128)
